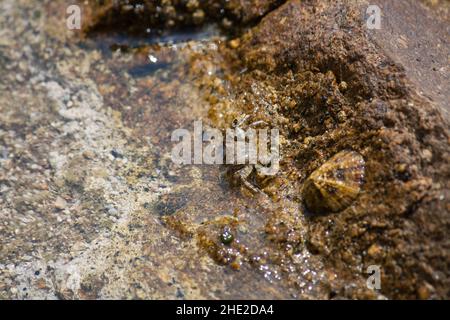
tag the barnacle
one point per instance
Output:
(336, 184)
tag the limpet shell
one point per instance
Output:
(336, 184)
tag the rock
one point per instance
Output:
(424, 291)
(288, 71)
(198, 17)
(234, 44)
(375, 251)
(88, 154)
(60, 203)
(336, 184)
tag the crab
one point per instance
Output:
(242, 175)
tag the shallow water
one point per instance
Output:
(112, 216)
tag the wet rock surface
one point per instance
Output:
(140, 17)
(93, 207)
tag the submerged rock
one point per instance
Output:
(336, 184)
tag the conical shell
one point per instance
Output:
(336, 184)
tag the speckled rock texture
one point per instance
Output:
(92, 207)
